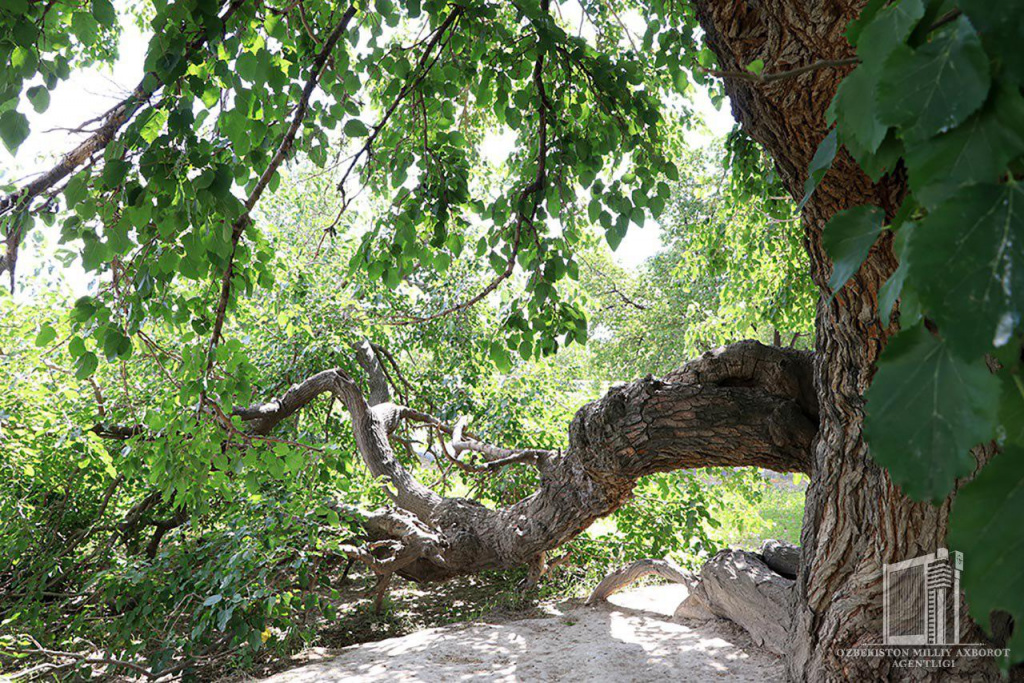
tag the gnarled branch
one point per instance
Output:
(741, 405)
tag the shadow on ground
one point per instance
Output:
(634, 638)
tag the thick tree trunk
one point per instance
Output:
(855, 518)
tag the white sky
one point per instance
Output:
(91, 92)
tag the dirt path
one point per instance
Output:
(634, 638)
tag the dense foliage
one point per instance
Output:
(252, 571)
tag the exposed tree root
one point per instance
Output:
(782, 557)
(737, 585)
(622, 578)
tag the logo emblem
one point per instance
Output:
(921, 600)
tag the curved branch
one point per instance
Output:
(631, 573)
(496, 457)
(461, 442)
(742, 405)
(371, 426)
(418, 73)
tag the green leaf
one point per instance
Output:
(13, 129)
(881, 161)
(985, 527)
(15, 7)
(294, 461)
(85, 27)
(865, 17)
(39, 96)
(1011, 407)
(936, 87)
(46, 334)
(86, 364)
(83, 310)
(114, 172)
(967, 264)
(856, 102)
(500, 356)
(104, 12)
(354, 128)
(75, 191)
(1002, 30)
(154, 123)
(976, 151)
(926, 409)
(212, 600)
(116, 344)
(756, 66)
(616, 231)
(848, 238)
(248, 67)
(856, 111)
(888, 30)
(821, 162)
(893, 287)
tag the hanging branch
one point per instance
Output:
(282, 151)
(526, 196)
(419, 73)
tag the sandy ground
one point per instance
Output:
(633, 638)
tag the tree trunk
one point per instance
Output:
(855, 518)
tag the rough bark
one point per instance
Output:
(739, 586)
(782, 557)
(855, 518)
(745, 404)
(367, 358)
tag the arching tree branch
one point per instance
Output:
(741, 405)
